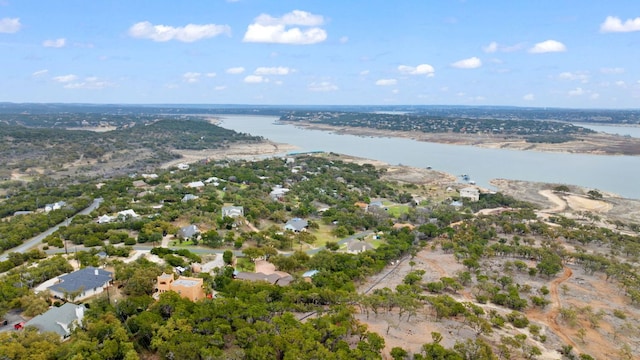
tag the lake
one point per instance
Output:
(617, 174)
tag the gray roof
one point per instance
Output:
(59, 319)
(87, 278)
(296, 224)
(358, 246)
(188, 231)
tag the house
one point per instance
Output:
(376, 205)
(276, 278)
(83, 283)
(195, 184)
(188, 287)
(189, 197)
(361, 205)
(61, 320)
(470, 193)
(129, 213)
(278, 192)
(187, 232)
(296, 225)
(456, 204)
(399, 226)
(55, 206)
(232, 211)
(308, 275)
(183, 166)
(356, 246)
(105, 219)
(150, 176)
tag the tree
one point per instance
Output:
(227, 257)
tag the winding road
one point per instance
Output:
(34, 241)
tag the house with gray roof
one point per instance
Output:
(232, 211)
(296, 225)
(189, 197)
(356, 246)
(60, 320)
(188, 232)
(85, 283)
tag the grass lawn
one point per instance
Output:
(397, 210)
(323, 234)
(244, 264)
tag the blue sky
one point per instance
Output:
(547, 53)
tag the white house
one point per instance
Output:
(232, 211)
(55, 206)
(83, 283)
(105, 219)
(470, 193)
(195, 184)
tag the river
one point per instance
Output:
(616, 174)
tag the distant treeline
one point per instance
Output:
(538, 131)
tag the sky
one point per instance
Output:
(544, 53)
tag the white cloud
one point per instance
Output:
(577, 76)
(621, 83)
(210, 74)
(188, 33)
(40, 73)
(615, 24)
(529, 97)
(395, 91)
(92, 82)
(280, 70)
(219, 88)
(344, 40)
(386, 82)
(191, 77)
(10, 25)
(422, 69)
(470, 63)
(547, 47)
(235, 70)
(267, 29)
(491, 48)
(255, 79)
(576, 92)
(57, 43)
(595, 96)
(364, 72)
(323, 86)
(65, 78)
(495, 47)
(612, 70)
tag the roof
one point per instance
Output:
(296, 224)
(87, 278)
(188, 231)
(59, 319)
(281, 279)
(186, 282)
(310, 273)
(195, 184)
(357, 245)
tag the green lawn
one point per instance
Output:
(397, 210)
(244, 264)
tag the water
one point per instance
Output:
(617, 174)
(632, 131)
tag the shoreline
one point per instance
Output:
(594, 144)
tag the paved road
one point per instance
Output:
(36, 240)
